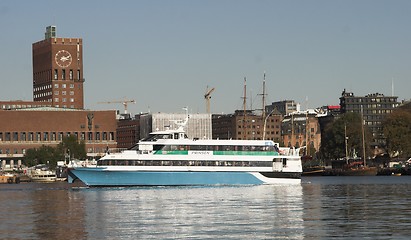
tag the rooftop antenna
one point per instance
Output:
(392, 86)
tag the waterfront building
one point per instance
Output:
(34, 127)
(300, 128)
(373, 107)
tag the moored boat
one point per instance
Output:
(169, 158)
(42, 173)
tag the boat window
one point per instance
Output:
(158, 147)
(184, 163)
(155, 137)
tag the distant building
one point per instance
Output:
(128, 131)
(58, 71)
(283, 107)
(300, 128)
(247, 126)
(198, 125)
(373, 108)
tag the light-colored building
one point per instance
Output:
(300, 128)
(198, 125)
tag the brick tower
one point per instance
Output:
(58, 71)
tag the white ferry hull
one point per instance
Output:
(99, 176)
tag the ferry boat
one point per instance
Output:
(169, 158)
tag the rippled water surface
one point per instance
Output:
(318, 208)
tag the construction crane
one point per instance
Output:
(207, 97)
(125, 102)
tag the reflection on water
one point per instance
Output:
(209, 212)
(41, 211)
(48, 212)
(319, 208)
(357, 207)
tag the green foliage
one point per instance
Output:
(333, 139)
(43, 155)
(397, 130)
(51, 155)
(71, 146)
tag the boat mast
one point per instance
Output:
(346, 143)
(363, 136)
(263, 113)
(263, 98)
(244, 108)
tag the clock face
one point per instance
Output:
(63, 58)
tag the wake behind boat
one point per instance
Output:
(169, 158)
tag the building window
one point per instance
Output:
(90, 136)
(22, 136)
(31, 137)
(97, 136)
(71, 74)
(56, 92)
(15, 136)
(38, 136)
(45, 136)
(104, 136)
(60, 136)
(71, 85)
(8, 137)
(55, 74)
(63, 85)
(53, 136)
(63, 74)
(78, 75)
(56, 85)
(83, 136)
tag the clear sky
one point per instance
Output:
(163, 54)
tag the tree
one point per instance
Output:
(397, 130)
(51, 155)
(70, 145)
(333, 140)
(42, 155)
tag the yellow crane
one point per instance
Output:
(207, 97)
(125, 102)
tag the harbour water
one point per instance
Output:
(319, 208)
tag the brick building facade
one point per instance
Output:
(32, 128)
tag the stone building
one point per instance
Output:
(300, 128)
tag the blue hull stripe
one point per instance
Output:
(148, 178)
